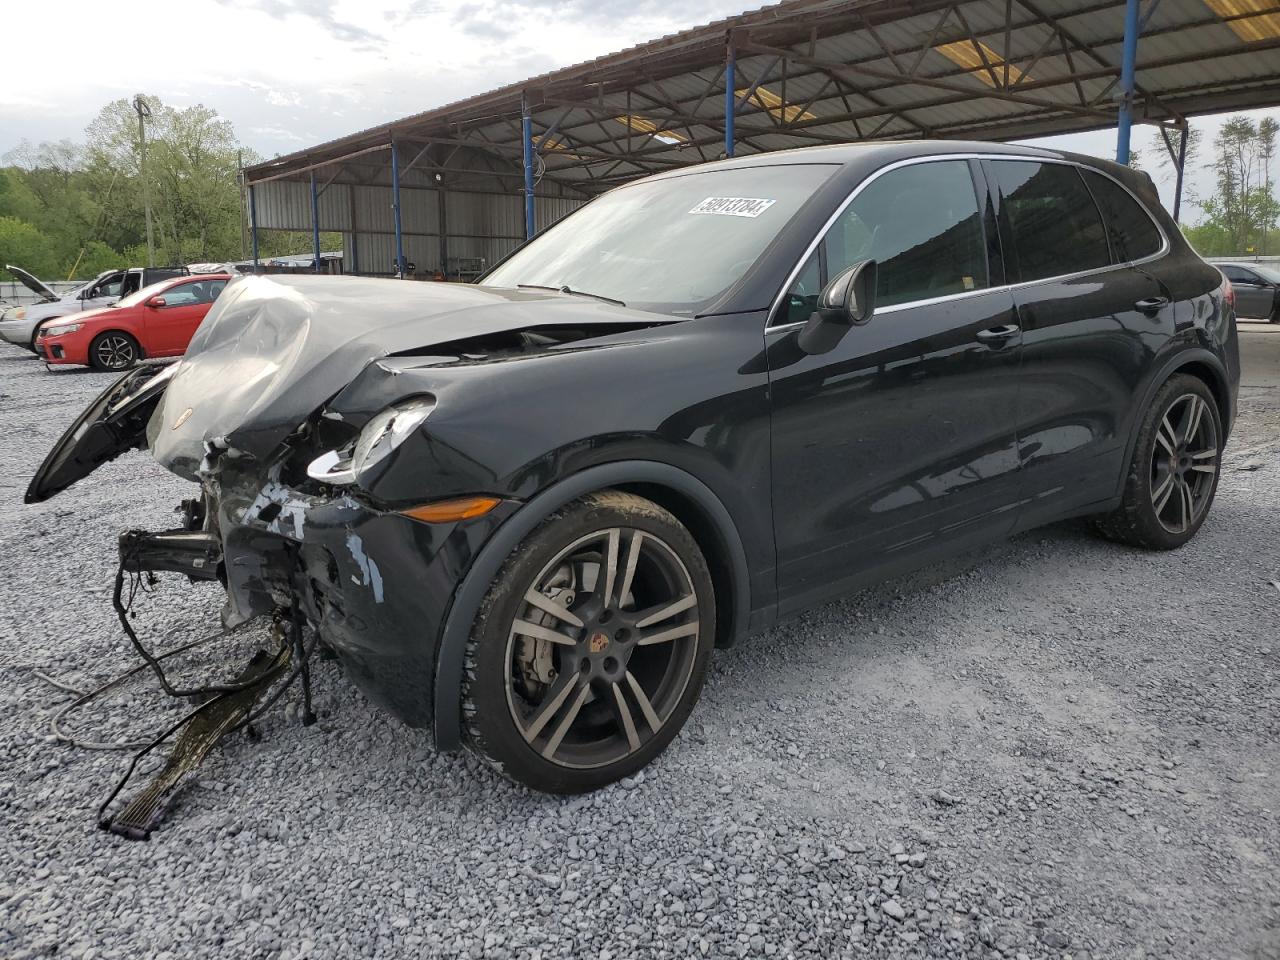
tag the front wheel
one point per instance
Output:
(1173, 476)
(590, 648)
(114, 351)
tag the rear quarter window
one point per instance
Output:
(1134, 235)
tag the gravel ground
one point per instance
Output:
(1056, 747)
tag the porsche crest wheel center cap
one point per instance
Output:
(599, 642)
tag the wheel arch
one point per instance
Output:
(1200, 364)
(684, 495)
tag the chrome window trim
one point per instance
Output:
(853, 195)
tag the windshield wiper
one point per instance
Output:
(576, 293)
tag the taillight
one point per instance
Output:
(1228, 292)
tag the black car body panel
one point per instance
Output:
(943, 423)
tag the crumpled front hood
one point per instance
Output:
(275, 348)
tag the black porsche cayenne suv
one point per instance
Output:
(525, 511)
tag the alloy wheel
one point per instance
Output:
(115, 352)
(602, 648)
(1184, 463)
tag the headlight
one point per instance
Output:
(60, 330)
(381, 435)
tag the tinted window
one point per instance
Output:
(1055, 224)
(1133, 233)
(922, 227)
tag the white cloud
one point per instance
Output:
(288, 73)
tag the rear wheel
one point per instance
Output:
(114, 351)
(1174, 472)
(591, 647)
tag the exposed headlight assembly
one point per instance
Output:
(384, 432)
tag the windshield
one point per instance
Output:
(672, 245)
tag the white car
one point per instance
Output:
(18, 325)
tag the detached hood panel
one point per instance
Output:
(275, 349)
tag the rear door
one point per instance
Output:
(900, 442)
(169, 328)
(1091, 319)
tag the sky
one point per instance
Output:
(292, 73)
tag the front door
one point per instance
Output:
(104, 293)
(169, 328)
(899, 443)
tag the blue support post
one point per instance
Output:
(253, 228)
(526, 128)
(315, 220)
(395, 207)
(1128, 67)
(730, 100)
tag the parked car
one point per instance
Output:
(157, 321)
(526, 511)
(19, 325)
(1257, 288)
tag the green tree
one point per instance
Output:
(24, 246)
(1242, 210)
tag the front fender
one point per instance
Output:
(470, 592)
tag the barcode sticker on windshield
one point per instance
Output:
(733, 206)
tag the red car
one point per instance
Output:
(157, 321)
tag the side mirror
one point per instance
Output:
(848, 300)
(156, 302)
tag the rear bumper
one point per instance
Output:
(376, 586)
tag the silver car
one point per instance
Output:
(19, 325)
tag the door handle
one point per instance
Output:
(1152, 305)
(999, 334)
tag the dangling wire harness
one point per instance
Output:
(225, 708)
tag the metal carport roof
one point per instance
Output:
(797, 73)
(820, 71)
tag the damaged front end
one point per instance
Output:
(290, 411)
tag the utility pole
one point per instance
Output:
(144, 114)
(244, 220)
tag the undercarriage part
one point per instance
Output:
(210, 722)
(201, 731)
(191, 552)
(193, 511)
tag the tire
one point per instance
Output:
(1171, 483)
(114, 350)
(572, 715)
